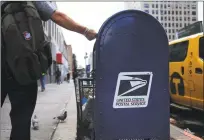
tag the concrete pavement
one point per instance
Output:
(49, 104)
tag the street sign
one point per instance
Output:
(131, 67)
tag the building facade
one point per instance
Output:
(173, 15)
(69, 52)
(54, 33)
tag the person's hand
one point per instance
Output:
(90, 34)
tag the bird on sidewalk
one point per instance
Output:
(61, 117)
(35, 122)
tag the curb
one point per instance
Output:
(184, 134)
(64, 131)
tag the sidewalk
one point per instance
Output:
(49, 105)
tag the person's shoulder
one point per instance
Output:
(45, 9)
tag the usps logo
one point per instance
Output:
(132, 89)
(27, 35)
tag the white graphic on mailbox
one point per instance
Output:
(132, 89)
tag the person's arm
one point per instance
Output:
(48, 11)
(66, 22)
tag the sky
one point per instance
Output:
(92, 15)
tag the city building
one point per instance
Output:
(69, 52)
(54, 33)
(173, 15)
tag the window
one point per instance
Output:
(201, 48)
(165, 6)
(170, 37)
(176, 12)
(176, 24)
(180, 24)
(194, 19)
(169, 24)
(180, 18)
(146, 5)
(156, 5)
(161, 18)
(178, 51)
(172, 24)
(152, 11)
(193, 12)
(152, 5)
(180, 12)
(193, 6)
(157, 12)
(176, 18)
(184, 12)
(165, 24)
(169, 12)
(165, 12)
(165, 18)
(169, 30)
(172, 12)
(147, 11)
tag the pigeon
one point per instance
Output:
(61, 117)
(35, 123)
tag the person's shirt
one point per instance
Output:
(45, 9)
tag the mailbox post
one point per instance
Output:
(131, 74)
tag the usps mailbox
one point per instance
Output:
(131, 75)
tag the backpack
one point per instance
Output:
(27, 49)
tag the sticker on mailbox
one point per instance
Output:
(132, 89)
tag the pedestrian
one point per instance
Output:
(23, 97)
(58, 76)
(42, 82)
(68, 77)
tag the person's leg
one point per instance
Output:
(23, 101)
(3, 97)
(4, 87)
(43, 82)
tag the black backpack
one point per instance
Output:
(27, 49)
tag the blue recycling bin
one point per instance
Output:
(130, 62)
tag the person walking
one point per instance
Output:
(68, 77)
(42, 82)
(58, 76)
(23, 97)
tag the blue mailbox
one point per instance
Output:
(131, 75)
